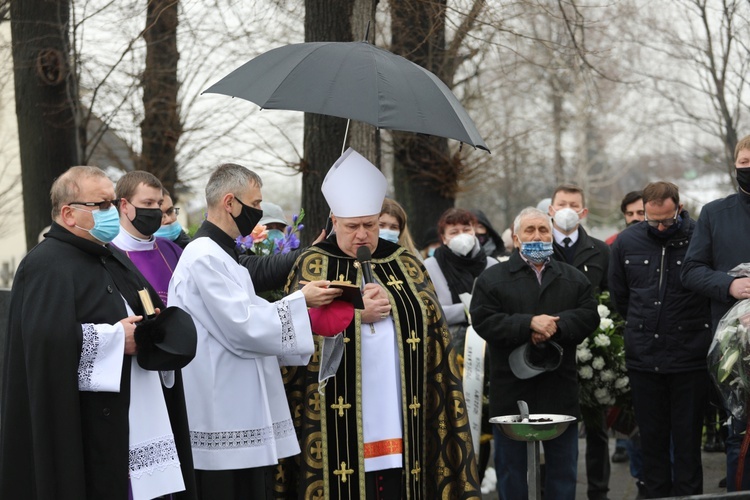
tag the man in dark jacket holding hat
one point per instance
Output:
(532, 302)
(667, 335)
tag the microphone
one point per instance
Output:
(364, 256)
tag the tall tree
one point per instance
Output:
(426, 173)
(329, 20)
(161, 126)
(46, 106)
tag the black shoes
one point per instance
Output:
(620, 455)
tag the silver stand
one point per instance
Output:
(533, 479)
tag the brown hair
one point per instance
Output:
(128, 183)
(660, 191)
(395, 210)
(455, 216)
(569, 188)
(743, 143)
(66, 188)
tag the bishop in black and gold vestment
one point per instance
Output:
(391, 418)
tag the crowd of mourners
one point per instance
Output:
(142, 362)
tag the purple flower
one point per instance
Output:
(244, 243)
(300, 227)
(294, 218)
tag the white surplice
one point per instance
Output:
(237, 407)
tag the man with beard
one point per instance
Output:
(379, 411)
(632, 210)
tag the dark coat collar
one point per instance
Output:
(218, 236)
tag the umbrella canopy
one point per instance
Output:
(353, 80)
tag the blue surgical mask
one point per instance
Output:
(170, 231)
(431, 252)
(536, 251)
(106, 224)
(389, 235)
(275, 234)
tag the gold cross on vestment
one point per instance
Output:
(416, 470)
(341, 406)
(394, 282)
(342, 280)
(314, 401)
(415, 406)
(457, 408)
(316, 266)
(413, 340)
(317, 450)
(343, 472)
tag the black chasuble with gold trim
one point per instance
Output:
(438, 459)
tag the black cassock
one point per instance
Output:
(56, 441)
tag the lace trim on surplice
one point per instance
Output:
(241, 439)
(156, 454)
(288, 335)
(89, 350)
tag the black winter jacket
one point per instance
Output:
(591, 258)
(506, 296)
(721, 241)
(667, 326)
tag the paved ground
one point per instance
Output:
(622, 485)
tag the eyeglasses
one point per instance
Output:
(171, 211)
(663, 222)
(102, 205)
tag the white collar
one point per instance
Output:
(129, 243)
(560, 236)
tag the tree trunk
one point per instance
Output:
(325, 20)
(161, 127)
(46, 104)
(425, 175)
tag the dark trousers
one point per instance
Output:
(669, 410)
(597, 454)
(238, 484)
(387, 484)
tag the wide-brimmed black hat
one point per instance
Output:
(166, 342)
(529, 360)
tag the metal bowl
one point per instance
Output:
(551, 426)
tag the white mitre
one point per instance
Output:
(354, 187)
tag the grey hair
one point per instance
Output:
(67, 187)
(530, 212)
(229, 178)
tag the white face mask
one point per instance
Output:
(566, 219)
(462, 244)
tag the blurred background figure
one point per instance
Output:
(431, 242)
(632, 210)
(491, 242)
(393, 226)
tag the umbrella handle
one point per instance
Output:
(346, 134)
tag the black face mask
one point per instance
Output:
(147, 220)
(633, 222)
(248, 218)
(743, 179)
(668, 232)
(483, 238)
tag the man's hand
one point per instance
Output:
(318, 294)
(740, 288)
(543, 327)
(128, 324)
(376, 302)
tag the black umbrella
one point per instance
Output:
(353, 80)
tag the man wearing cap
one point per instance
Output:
(391, 420)
(533, 311)
(80, 417)
(239, 418)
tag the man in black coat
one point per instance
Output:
(719, 244)
(532, 298)
(80, 418)
(667, 335)
(590, 256)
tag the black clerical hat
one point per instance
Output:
(166, 342)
